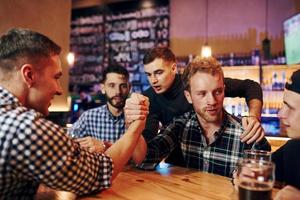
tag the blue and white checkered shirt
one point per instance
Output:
(219, 157)
(34, 150)
(100, 124)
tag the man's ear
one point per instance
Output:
(28, 74)
(129, 87)
(174, 67)
(102, 88)
(188, 96)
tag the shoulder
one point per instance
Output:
(293, 145)
(233, 123)
(234, 120)
(184, 118)
(96, 111)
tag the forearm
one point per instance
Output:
(151, 128)
(140, 151)
(122, 149)
(255, 108)
(243, 88)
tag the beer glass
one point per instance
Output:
(257, 155)
(255, 179)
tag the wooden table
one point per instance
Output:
(168, 183)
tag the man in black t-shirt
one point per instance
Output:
(286, 158)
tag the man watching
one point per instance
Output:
(34, 150)
(208, 137)
(167, 98)
(286, 158)
(98, 128)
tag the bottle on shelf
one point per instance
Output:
(255, 57)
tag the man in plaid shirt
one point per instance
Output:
(97, 128)
(208, 136)
(34, 150)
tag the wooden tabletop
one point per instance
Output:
(170, 183)
(166, 183)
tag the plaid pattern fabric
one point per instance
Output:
(100, 124)
(35, 150)
(219, 157)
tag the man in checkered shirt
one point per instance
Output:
(209, 137)
(98, 128)
(34, 150)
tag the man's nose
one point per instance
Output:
(211, 99)
(59, 90)
(153, 79)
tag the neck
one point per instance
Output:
(209, 128)
(20, 91)
(114, 111)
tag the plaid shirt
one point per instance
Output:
(100, 124)
(35, 150)
(219, 157)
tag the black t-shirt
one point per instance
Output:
(287, 161)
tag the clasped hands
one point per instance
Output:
(136, 108)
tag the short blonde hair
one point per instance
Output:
(199, 64)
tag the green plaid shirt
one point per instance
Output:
(219, 157)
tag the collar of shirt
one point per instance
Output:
(217, 134)
(7, 98)
(111, 116)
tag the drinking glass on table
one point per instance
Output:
(257, 154)
(255, 179)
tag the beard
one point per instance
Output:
(116, 101)
(210, 118)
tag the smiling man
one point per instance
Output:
(34, 150)
(98, 128)
(207, 136)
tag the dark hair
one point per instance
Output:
(159, 52)
(118, 69)
(206, 65)
(293, 83)
(22, 45)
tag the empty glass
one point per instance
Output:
(255, 179)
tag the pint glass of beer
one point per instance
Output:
(255, 179)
